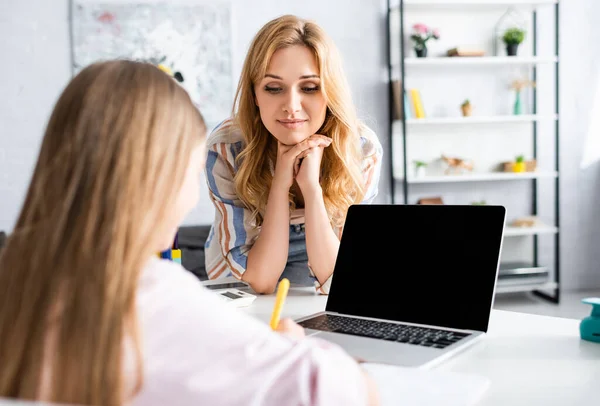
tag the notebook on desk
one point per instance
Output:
(412, 284)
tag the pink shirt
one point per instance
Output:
(200, 351)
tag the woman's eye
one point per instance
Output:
(310, 89)
(273, 89)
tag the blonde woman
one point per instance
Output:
(283, 170)
(89, 315)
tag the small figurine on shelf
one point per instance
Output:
(420, 168)
(518, 85)
(457, 165)
(466, 108)
(420, 35)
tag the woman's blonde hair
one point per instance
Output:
(341, 175)
(111, 164)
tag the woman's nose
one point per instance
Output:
(293, 102)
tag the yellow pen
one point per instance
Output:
(282, 290)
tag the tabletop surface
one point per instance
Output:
(530, 359)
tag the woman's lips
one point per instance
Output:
(292, 124)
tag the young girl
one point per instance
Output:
(284, 169)
(89, 314)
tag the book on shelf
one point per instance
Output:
(417, 103)
(408, 111)
(396, 92)
(402, 106)
(465, 51)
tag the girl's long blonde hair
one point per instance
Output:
(111, 163)
(341, 174)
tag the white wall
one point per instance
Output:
(580, 152)
(34, 43)
(34, 37)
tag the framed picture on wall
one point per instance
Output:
(193, 41)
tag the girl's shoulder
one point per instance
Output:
(226, 132)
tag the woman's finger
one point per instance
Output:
(311, 143)
(322, 138)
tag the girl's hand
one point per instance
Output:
(287, 159)
(291, 328)
(308, 168)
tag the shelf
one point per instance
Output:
(478, 60)
(485, 176)
(523, 118)
(511, 231)
(525, 287)
(518, 275)
(453, 75)
(478, 3)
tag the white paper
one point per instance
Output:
(416, 387)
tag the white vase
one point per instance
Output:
(420, 172)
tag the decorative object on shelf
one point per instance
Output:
(465, 51)
(457, 165)
(589, 327)
(430, 200)
(518, 105)
(420, 35)
(530, 166)
(528, 221)
(512, 19)
(519, 165)
(518, 85)
(512, 38)
(479, 203)
(466, 108)
(420, 168)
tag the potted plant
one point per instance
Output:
(420, 35)
(420, 168)
(512, 38)
(466, 108)
(519, 165)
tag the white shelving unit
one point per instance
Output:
(483, 177)
(524, 118)
(511, 231)
(526, 287)
(417, 137)
(478, 61)
(471, 3)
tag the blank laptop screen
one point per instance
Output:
(427, 264)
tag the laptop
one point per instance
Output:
(413, 285)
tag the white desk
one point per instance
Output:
(530, 360)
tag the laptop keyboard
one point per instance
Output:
(403, 333)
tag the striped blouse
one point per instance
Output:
(233, 232)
